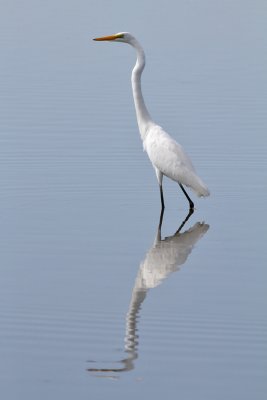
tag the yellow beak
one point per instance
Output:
(111, 37)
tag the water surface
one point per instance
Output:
(95, 301)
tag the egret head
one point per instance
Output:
(123, 37)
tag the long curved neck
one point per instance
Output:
(143, 117)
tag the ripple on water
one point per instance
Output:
(104, 343)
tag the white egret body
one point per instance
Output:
(167, 156)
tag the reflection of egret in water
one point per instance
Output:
(164, 257)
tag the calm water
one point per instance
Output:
(95, 301)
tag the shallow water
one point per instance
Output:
(95, 301)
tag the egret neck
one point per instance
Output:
(142, 114)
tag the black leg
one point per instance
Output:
(191, 204)
(161, 197)
(160, 222)
(191, 211)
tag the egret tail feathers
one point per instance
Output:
(200, 188)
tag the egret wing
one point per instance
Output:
(166, 154)
(169, 157)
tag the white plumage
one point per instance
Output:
(169, 157)
(166, 155)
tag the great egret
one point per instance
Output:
(167, 156)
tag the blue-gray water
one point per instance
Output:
(94, 303)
